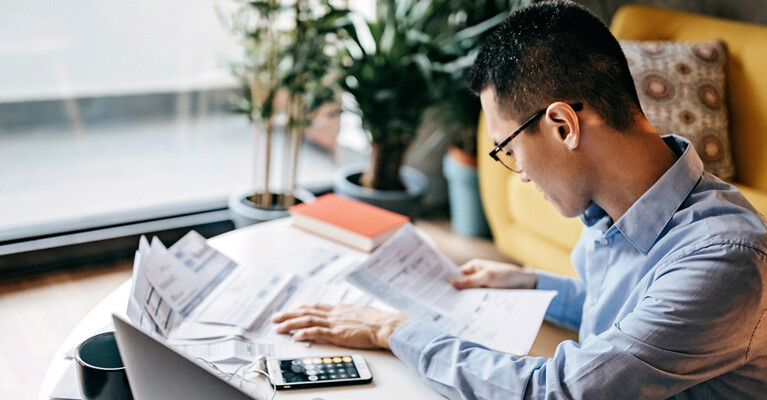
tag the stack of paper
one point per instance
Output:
(182, 282)
(198, 298)
(207, 304)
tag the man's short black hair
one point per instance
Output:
(556, 51)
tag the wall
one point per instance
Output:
(754, 11)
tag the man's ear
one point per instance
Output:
(563, 119)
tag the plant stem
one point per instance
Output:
(266, 195)
(296, 136)
(383, 172)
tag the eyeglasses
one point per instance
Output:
(500, 146)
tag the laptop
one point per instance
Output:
(157, 371)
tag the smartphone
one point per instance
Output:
(309, 372)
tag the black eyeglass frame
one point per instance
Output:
(499, 147)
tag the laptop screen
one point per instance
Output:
(157, 371)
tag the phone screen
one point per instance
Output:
(319, 371)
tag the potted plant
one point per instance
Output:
(399, 65)
(389, 76)
(287, 73)
(458, 109)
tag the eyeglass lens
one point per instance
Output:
(508, 161)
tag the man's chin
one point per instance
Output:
(571, 212)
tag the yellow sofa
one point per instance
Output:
(530, 231)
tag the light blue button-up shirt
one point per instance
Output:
(670, 302)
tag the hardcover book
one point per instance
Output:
(347, 221)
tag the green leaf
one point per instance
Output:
(424, 65)
(418, 12)
(263, 6)
(479, 29)
(388, 38)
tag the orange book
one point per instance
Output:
(348, 221)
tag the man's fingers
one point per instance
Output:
(317, 333)
(465, 282)
(314, 309)
(306, 321)
(469, 271)
(319, 306)
(299, 312)
(468, 268)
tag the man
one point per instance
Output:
(672, 261)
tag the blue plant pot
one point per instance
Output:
(466, 214)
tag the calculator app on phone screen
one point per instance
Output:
(295, 373)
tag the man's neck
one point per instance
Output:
(630, 163)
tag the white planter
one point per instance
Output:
(244, 213)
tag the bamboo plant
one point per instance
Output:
(290, 50)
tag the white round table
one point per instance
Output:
(258, 246)
(263, 246)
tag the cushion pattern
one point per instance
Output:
(681, 88)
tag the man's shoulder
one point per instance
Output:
(717, 211)
(716, 243)
(714, 216)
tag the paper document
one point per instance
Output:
(146, 307)
(235, 349)
(410, 275)
(328, 285)
(246, 299)
(199, 299)
(191, 281)
(187, 278)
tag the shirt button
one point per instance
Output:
(590, 301)
(603, 241)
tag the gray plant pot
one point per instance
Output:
(406, 202)
(244, 213)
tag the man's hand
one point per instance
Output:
(343, 324)
(480, 273)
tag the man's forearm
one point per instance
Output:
(459, 369)
(566, 308)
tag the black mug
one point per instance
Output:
(100, 369)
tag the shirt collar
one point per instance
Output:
(645, 219)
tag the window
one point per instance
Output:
(117, 112)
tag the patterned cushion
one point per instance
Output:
(681, 88)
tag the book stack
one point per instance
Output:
(350, 222)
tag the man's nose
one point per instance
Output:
(523, 177)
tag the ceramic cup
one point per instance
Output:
(100, 370)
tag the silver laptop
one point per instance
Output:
(157, 371)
